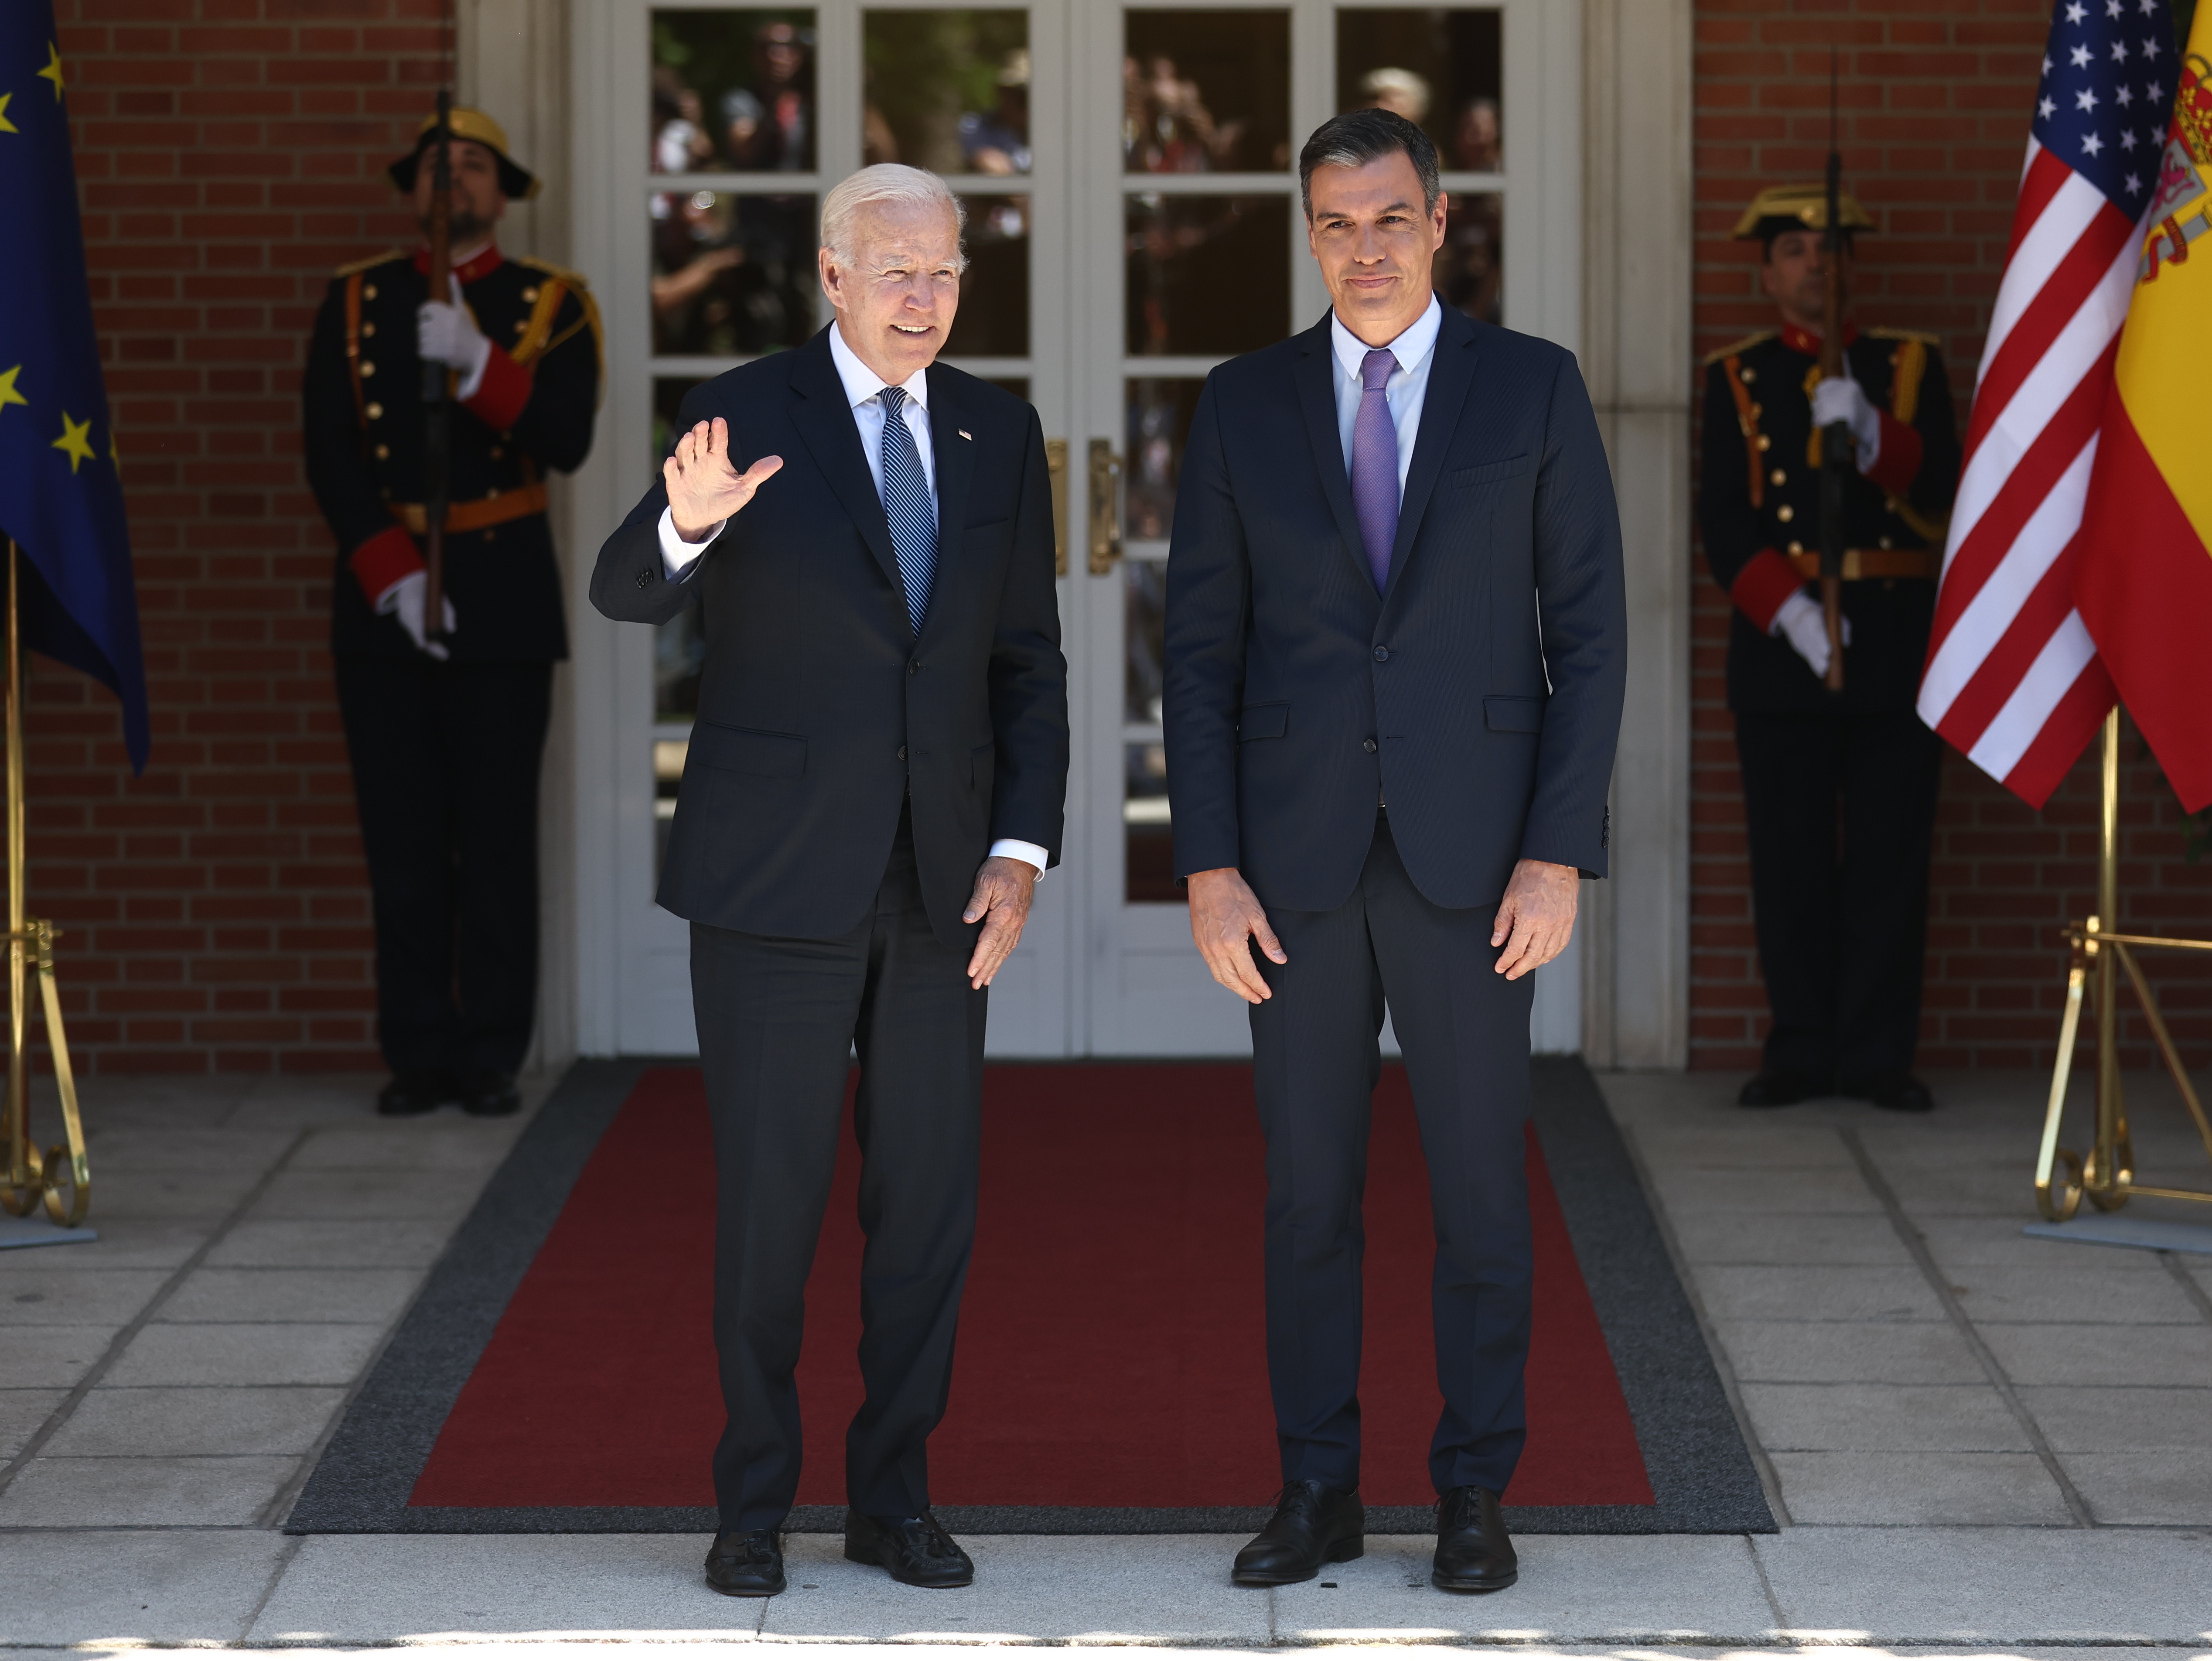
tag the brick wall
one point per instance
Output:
(229, 153)
(1935, 97)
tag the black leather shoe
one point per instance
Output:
(489, 1095)
(1312, 1525)
(747, 1563)
(914, 1550)
(1779, 1087)
(411, 1093)
(1473, 1551)
(1900, 1093)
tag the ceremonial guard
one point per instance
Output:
(446, 706)
(1838, 783)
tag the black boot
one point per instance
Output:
(746, 1563)
(1900, 1093)
(1473, 1551)
(411, 1093)
(1312, 1525)
(914, 1550)
(489, 1095)
(1779, 1087)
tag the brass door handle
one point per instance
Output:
(1055, 461)
(1105, 507)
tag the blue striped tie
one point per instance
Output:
(907, 506)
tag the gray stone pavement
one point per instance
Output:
(1975, 1440)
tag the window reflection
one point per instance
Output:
(732, 276)
(1469, 270)
(1440, 69)
(1208, 275)
(1144, 606)
(734, 90)
(1149, 837)
(1206, 91)
(679, 648)
(993, 319)
(1159, 422)
(947, 90)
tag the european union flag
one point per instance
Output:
(61, 496)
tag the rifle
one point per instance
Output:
(1836, 436)
(437, 382)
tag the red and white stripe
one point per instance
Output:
(2013, 678)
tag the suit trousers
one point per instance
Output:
(445, 772)
(1840, 811)
(778, 1021)
(1317, 1058)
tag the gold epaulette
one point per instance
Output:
(371, 263)
(572, 283)
(1925, 339)
(1734, 348)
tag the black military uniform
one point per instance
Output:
(446, 754)
(1839, 789)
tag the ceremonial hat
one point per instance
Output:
(516, 183)
(1797, 208)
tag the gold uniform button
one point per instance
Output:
(367, 329)
(488, 536)
(520, 324)
(1757, 410)
(490, 494)
(1886, 543)
(376, 412)
(496, 453)
(367, 368)
(384, 452)
(1796, 547)
(1785, 513)
(1765, 442)
(368, 292)
(1750, 375)
(1778, 477)
(530, 295)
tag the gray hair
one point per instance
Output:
(890, 183)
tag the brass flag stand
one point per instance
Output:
(2107, 1177)
(30, 1178)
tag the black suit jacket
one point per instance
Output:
(1480, 692)
(819, 710)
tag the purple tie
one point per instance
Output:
(1375, 464)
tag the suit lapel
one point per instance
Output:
(825, 423)
(1451, 373)
(954, 460)
(1314, 370)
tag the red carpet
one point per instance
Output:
(1139, 1184)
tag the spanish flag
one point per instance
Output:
(2143, 583)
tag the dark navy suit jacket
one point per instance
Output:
(1480, 693)
(819, 709)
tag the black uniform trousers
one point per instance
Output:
(1464, 1029)
(1840, 811)
(778, 1020)
(445, 760)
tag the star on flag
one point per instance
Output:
(77, 441)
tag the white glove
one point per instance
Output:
(1802, 622)
(404, 599)
(1841, 399)
(446, 334)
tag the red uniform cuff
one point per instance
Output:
(502, 393)
(1764, 585)
(387, 557)
(1898, 463)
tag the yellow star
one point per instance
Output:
(114, 452)
(54, 70)
(6, 125)
(7, 393)
(76, 440)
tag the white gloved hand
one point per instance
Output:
(1803, 624)
(1842, 399)
(446, 334)
(404, 599)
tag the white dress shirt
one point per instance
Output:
(1415, 350)
(864, 393)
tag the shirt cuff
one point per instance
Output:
(1764, 586)
(383, 561)
(1028, 852)
(1896, 458)
(500, 393)
(678, 557)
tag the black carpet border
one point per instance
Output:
(1701, 1473)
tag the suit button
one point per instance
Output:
(901, 755)
(1382, 655)
(645, 576)
(911, 667)
(1368, 744)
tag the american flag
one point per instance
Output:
(2013, 678)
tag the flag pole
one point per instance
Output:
(31, 946)
(2100, 953)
